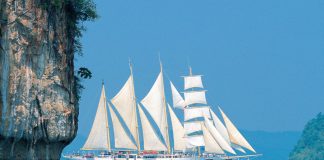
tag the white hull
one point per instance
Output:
(109, 158)
(165, 158)
(188, 158)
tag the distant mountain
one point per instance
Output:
(273, 145)
(311, 144)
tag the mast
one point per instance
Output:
(193, 126)
(124, 106)
(155, 104)
(190, 73)
(107, 125)
(198, 151)
(197, 108)
(165, 110)
(134, 101)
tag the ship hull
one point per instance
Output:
(109, 158)
(188, 158)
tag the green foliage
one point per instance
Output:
(77, 12)
(311, 144)
(78, 87)
(84, 73)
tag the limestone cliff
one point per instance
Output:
(38, 103)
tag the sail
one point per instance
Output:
(177, 99)
(178, 132)
(192, 127)
(192, 97)
(193, 81)
(220, 126)
(125, 104)
(98, 138)
(211, 146)
(195, 141)
(122, 140)
(235, 136)
(154, 103)
(237, 147)
(223, 131)
(150, 138)
(196, 112)
(218, 137)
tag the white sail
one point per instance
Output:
(178, 132)
(211, 146)
(220, 126)
(195, 141)
(125, 104)
(196, 112)
(237, 147)
(218, 137)
(191, 127)
(223, 131)
(193, 81)
(122, 140)
(177, 99)
(150, 138)
(192, 97)
(189, 146)
(154, 102)
(235, 136)
(98, 138)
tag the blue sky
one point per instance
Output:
(262, 61)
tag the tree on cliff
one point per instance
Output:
(311, 144)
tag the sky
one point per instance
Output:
(262, 61)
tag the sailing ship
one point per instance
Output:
(150, 129)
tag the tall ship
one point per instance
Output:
(125, 127)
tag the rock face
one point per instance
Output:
(38, 104)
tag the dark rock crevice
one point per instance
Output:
(20, 149)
